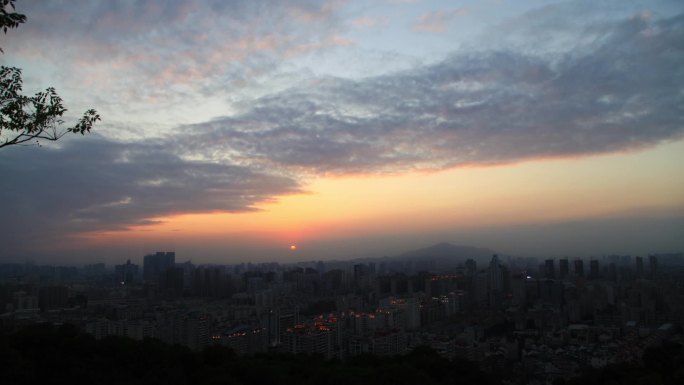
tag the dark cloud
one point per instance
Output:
(479, 107)
(93, 184)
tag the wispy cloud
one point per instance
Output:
(159, 54)
(367, 22)
(437, 21)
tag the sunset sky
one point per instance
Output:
(232, 130)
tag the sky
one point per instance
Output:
(232, 130)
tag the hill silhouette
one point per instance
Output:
(448, 252)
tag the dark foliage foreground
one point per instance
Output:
(43, 354)
(663, 364)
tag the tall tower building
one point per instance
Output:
(564, 268)
(653, 265)
(518, 289)
(359, 271)
(549, 269)
(594, 269)
(494, 280)
(639, 269)
(579, 268)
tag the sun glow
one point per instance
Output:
(463, 198)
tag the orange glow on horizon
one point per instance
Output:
(462, 198)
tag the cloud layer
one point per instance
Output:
(618, 88)
(483, 107)
(142, 54)
(96, 184)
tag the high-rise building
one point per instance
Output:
(126, 273)
(359, 271)
(579, 268)
(549, 269)
(155, 264)
(639, 267)
(653, 265)
(172, 279)
(564, 268)
(310, 339)
(612, 272)
(594, 269)
(471, 267)
(279, 320)
(518, 288)
(495, 274)
(480, 289)
(494, 281)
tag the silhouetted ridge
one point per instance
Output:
(447, 251)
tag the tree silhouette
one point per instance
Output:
(31, 118)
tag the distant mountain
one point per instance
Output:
(447, 251)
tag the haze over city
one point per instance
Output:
(232, 130)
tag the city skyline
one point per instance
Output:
(233, 131)
(511, 319)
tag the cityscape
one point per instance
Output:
(342, 192)
(525, 319)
